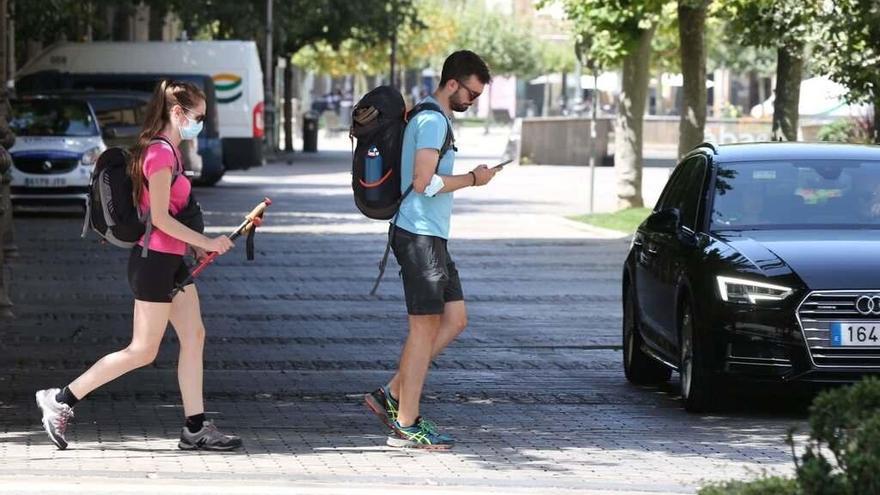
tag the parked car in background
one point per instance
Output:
(759, 263)
(57, 143)
(229, 71)
(121, 116)
(204, 159)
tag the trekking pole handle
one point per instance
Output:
(252, 220)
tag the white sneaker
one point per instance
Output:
(56, 416)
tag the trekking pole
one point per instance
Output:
(251, 221)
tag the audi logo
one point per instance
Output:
(868, 305)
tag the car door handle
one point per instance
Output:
(637, 243)
(652, 250)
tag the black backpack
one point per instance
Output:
(110, 208)
(378, 122)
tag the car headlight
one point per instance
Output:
(748, 291)
(90, 157)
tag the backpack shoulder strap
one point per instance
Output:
(449, 141)
(178, 168)
(176, 171)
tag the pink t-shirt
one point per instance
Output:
(160, 155)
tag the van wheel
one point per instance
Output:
(209, 180)
(697, 382)
(639, 367)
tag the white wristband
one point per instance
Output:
(434, 186)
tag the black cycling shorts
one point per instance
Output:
(153, 278)
(430, 279)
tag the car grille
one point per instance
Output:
(816, 314)
(45, 165)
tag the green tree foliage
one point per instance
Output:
(692, 51)
(613, 27)
(849, 50)
(618, 33)
(297, 23)
(786, 26)
(771, 23)
(505, 43)
(50, 20)
(552, 57)
(842, 455)
(417, 47)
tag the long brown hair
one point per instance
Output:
(167, 94)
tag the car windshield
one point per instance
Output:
(797, 194)
(52, 117)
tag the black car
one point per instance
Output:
(759, 262)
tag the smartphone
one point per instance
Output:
(501, 165)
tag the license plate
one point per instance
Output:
(855, 334)
(45, 182)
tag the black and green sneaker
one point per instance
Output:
(383, 405)
(422, 435)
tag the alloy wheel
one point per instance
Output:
(687, 352)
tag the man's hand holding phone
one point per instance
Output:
(483, 174)
(501, 165)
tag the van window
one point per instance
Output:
(52, 117)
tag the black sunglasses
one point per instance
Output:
(472, 95)
(199, 117)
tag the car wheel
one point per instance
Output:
(209, 180)
(640, 368)
(697, 387)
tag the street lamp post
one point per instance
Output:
(5, 226)
(269, 81)
(7, 139)
(593, 138)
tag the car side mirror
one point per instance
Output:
(109, 133)
(665, 221)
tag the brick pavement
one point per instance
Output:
(533, 390)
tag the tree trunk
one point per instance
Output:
(876, 115)
(7, 247)
(563, 105)
(659, 107)
(789, 69)
(691, 27)
(122, 22)
(489, 113)
(545, 108)
(288, 105)
(157, 22)
(754, 94)
(628, 135)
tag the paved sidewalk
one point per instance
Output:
(533, 390)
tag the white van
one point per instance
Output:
(229, 71)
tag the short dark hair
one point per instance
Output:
(463, 64)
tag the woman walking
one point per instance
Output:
(176, 112)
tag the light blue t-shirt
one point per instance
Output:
(420, 214)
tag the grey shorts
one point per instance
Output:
(430, 279)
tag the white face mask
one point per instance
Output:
(192, 128)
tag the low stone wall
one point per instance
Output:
(562, 140)
(566, 140)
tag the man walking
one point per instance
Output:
(434, 299)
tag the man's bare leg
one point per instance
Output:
(414, 361)
(452, 323)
